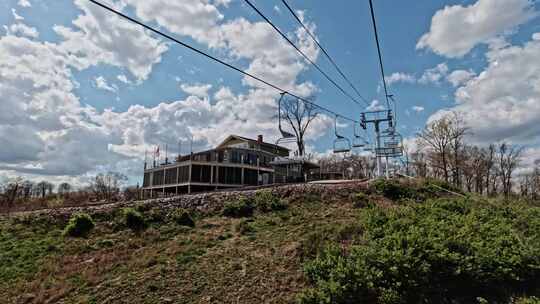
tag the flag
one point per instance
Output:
(157, 151)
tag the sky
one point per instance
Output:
(83, 91)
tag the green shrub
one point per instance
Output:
(444, 251)
(182, 218)
(155, 215)
(322, 237)
(394, 190)
(531, 300)
(360, 200)
(266, 201)
(243, 227)
(133, 219)
(243, 207)
(79, 225)
(442, 184)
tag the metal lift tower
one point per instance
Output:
(392, 141)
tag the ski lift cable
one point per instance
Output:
(303, 54)
(324, 51)
(305, 101)
(379, 52)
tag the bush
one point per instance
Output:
(243, 207)
(243, 227)
(133, 219)
(444, 251)
(155, 215)
(360, 200)
(79, 225)
(394, 190)
(266, 201)
(183, 218)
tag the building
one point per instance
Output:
(236, 162)
(293, 170)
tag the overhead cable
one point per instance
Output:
(305, 101)
(324, 51)
(379, 52)
(303, 54)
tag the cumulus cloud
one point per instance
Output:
(456, 30)
(20, 29)
(375, 106)
(199, 90)
(400, 77)
(101, 83)
(459, 77)
(123, 78)
(503, 101)
(24, 3)
(100, 37)
(16, 16)
(434, 75)
(418, 109)
(56, 135)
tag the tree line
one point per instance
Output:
(21, 193)
(440, 151)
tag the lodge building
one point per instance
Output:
(236, 162)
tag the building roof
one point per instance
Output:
(231, 137)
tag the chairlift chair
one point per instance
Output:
(358, 141)
(341, 143)
(286, 137)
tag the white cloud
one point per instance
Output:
(101, 37)
(199, 90)
(58, 136)
(457, 29)
(459, 77)
(195, 18)
(400, 77)
(16, 16)
(375, 106)
(20, 29)
(123, 78)
(418, 109)
(101, 83)
(24, 3)
(503, 101)
(434, 75)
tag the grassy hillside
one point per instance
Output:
(388, 244)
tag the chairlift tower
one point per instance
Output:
(390, 137)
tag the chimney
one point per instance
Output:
(259, 139)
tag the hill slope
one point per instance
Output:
(323, 246)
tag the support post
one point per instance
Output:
(387, 174)
(377, 147)
(189, 177)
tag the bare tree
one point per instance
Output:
(437, 137)
(489, 164)
(458, 130)
(299, 115)
(509, 158)
(107, 186)
(42, 187)
(64, 189)
(27, 189)
(530, 183)
(11, 190)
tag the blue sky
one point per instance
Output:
(87, 121)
